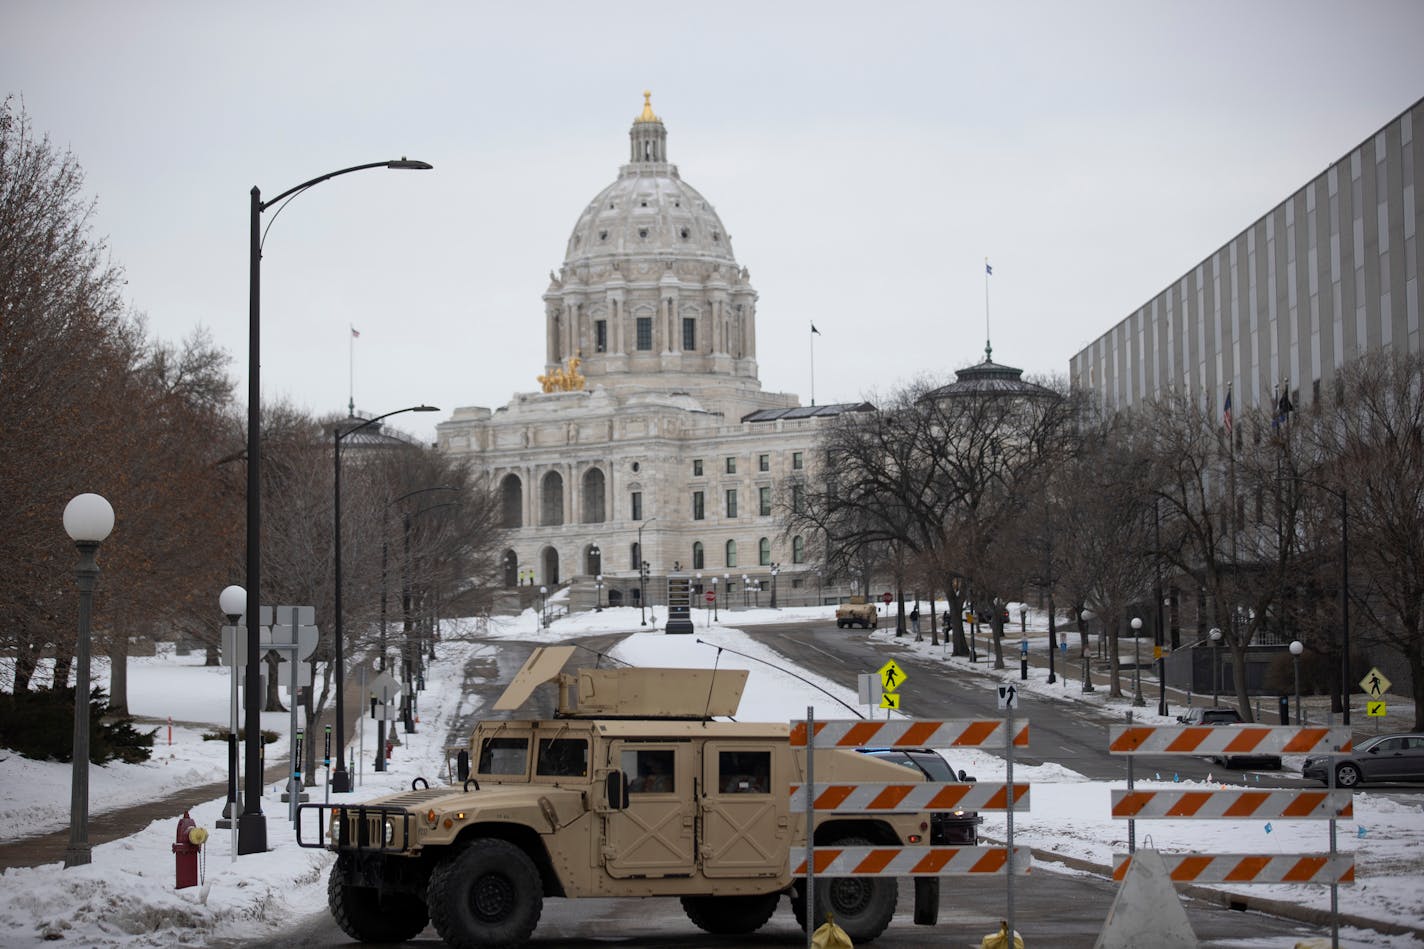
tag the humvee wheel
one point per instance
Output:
(730, 915)
(862, 906)
(367, 916)
(489, 894)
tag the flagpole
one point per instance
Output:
(812, 335)
(351, 370)
(988, 350)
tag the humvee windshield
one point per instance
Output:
(504, 756)
(563, 757)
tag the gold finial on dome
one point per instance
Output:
(648, 115)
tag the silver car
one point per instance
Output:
(1383, 758)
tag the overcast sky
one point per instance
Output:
(865, 159)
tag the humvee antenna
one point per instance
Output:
(604, 655)
(711, 685)
(854, 710)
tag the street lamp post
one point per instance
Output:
(1296, 648)
(1052, 638)
(233, 603)
(1085, 616)
(1215, 635)
(88, 519)
(598, 589)
(1137, 699)
(595, 556)
(775, 569)
(340, 777)
(544, 606)
(643, 574)
(746, 591)
(715, 617)
(252, 826)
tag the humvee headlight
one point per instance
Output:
(390, 832)
(432, 818)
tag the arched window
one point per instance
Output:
(551, 501)
(764, 551)
(697, 555)
(551, 567)
(593, 504)
(731, 553)
(511, 508)
(798, 549)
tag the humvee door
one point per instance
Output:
(745, 813)
(652, 835)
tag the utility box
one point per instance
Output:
(679, 603)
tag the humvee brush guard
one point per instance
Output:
(633, 789)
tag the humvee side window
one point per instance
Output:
(504, 756)
(649, 771)
(744, 772)
(562, 757)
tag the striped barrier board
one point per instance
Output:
(1250, 868)
(1234, 804)
(921, 796)
(911, 733)
(1225, 739)
(913, 861)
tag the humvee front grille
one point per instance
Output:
(356, 827)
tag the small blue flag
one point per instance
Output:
(1176, 777)
(1360, 832)
(1268, 827)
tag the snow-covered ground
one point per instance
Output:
(125, 897)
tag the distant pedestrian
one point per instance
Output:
(915, 623)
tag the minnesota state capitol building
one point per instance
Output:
(652, 440)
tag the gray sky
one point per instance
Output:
(865, 159)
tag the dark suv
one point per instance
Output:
(959, 827)
(1228, 716)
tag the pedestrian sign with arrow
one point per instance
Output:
(1374, 684)
(891, 677)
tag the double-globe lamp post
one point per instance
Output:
(1085, 616)
(88, 519)
(340, 777)
(252, 826)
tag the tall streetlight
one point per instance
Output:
(746, 591)
(1085, 616)
(775, 569)
(252, 827)
(1296, 648)
(1215, 636)
(1137, 699)
(598, 589)
(544, 606)
(88, 519)
(233, 603)
(340, 777)
(715, 617)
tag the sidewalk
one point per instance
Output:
(127, 821)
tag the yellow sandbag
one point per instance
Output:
(830, 936)
(1000, 939)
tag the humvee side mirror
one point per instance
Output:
(616, 784)
(462, 764)
(966, 778)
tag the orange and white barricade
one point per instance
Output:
(913, 861)
(1186, 868)
(911, 733)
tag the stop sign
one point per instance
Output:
(886, 598)
(709, 596)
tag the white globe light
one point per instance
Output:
(1297, 647)
(233, 601)
(1136, 623)
(88, 518)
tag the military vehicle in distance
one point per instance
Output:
(858, 613)
(632, 789)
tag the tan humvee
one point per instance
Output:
(859, 613)
(631, 790)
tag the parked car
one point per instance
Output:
(1381, 758)
(959, 827)
(1228, 717)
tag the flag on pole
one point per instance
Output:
(1226, 412)
(1284, 407)
(355, 333)
(814, 330)
(988, 271)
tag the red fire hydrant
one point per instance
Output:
(389, 745)
(186, 848)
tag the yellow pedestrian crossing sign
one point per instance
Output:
(891, 678)
(1374, 684)
(1372, 709)
(889, 700)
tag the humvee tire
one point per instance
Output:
(366, 916)
(730, 915)
(488, 894)
(862, 906)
